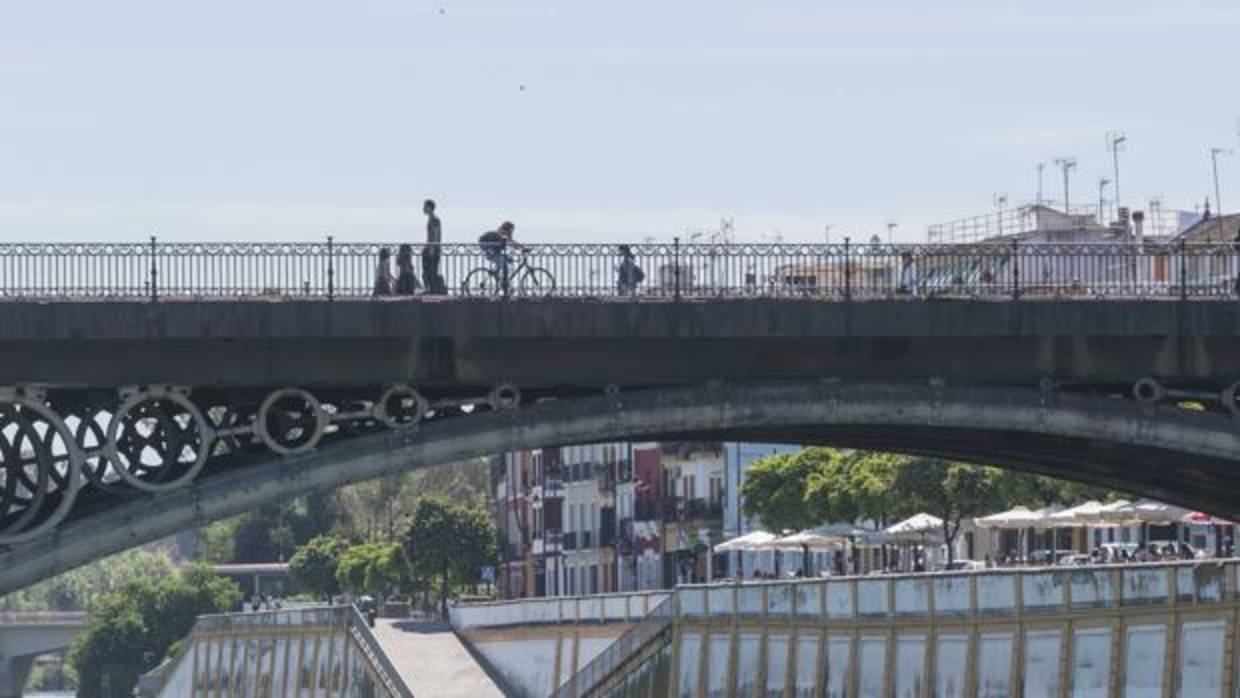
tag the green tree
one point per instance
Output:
(314, 565)
(448, 544)
(950, 491)
(77, 590)
(776, 487)
(132, 628)
(374, 569)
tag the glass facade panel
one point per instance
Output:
(839, 662)
(1201, 659)
(996, 593)
(872, 666)
(748, 656)
(809, 599)
(1144, 649)
(872, 597)
(950, 662)
(1145, 585)
(718, 663)
(1042, 664)
(776, 664)
(994, 665)
(779, 599)
(910, 665)
(1042, 591)
(720, 600)
(912, 596)
(689, 659)
(750, 600)
(807, 667)
(1091, 662)
(951, 594)
(839, 600)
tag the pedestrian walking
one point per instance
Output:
(383, 273)
(628, 274)
(432, 252)
(406, 281)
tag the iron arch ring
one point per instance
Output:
(311, 403)
(205, 433)
(73, 478)
(398, 391)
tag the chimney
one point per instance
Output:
(1138, 222)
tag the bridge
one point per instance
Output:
(150, 389)
(24, 636)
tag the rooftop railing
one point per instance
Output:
(159, 271)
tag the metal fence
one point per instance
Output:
(328, 270)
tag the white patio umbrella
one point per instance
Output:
(1148, 511)
(1018, 517)
(808, 538)
(915, 528)
(754, 540)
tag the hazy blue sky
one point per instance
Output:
(291, 118)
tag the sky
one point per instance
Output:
(587, 121)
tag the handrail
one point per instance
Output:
(614, 655)
(370, 645)
(171, 271)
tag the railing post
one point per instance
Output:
(154, 279)
(331, 269)
(1015, 270)
(676, 268)
(1183, 272)
(847, 268)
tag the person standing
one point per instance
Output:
(383, 273)
(432, 251)
(406, 280)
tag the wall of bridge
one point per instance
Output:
(535, 645)
(1145, 631)
(313, 653)
(23, 636)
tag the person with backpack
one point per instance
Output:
(628, 274)
(494, 244)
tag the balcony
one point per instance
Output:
(681, 509)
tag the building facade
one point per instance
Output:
(610, 517)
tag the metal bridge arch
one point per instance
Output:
(1104, 440)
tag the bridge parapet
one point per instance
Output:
(326, 650)
(1016, 632)
(599, 608)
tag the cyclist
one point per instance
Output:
(494, 246)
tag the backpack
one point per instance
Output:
(490, 241)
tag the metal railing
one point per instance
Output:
(669, 272)
(42, 618)
(623, 650)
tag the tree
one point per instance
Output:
(776, 487)
(132, 628)
(373, 569)
(314, 565)
(449, 544)
(77, 590)
(950, 491)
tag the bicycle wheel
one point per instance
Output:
(537, 282)
(481, 283)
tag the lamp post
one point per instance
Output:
(1102, 187)
(1218, 201)
(1041, 166)
(1066, 164)
(1114, 141)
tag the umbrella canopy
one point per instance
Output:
(916, 527)
(1203, 519)
(808, 539)
(1150, 511)
(755, 540)
(1016, 517)
(1090, 512)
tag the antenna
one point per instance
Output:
(1067, 165)
(1115, 143)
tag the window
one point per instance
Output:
(690, 486)
(716, 489)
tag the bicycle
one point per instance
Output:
(531, 280)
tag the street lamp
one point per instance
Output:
(1066, 164)
(1000, 202)
(1041, 166)
(1218, 201)
(1102, 187)
(1114, 142)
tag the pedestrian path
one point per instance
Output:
(432, 659)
